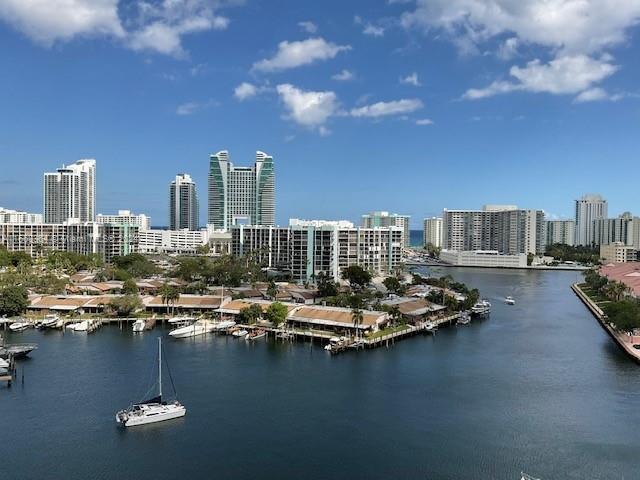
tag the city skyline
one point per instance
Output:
(454, 120)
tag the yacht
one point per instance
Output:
(481, 307)
(199, 327)
(223, 325)
(464, 319)
(19, 326)
(239, 333)
(182, 321)
(138, 325)
(154, 409)
(82, 326)
(50, 321)
(509, 300)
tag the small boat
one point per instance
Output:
(182, 321)
(50, 321)
(19, 326)
(4, 363)
(20, 350)
(431, 327)
(82, 326)
(524, 476)
(223, 325)
(4, 371)
(239, 333)
(154, 409)
(509, 300)
(481, 307)
(464, 319)
(256, 334)
(138, 325)
(357, 344)
(200, 327)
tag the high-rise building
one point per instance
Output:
(607, 231)
(561, 231)
(70, 193)
(432, 234)
(14, 216)
(507, 230)
(183, 204)
(386, 219)
(125, 217)
(589, 208)
(241, 195)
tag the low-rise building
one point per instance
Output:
(125, 217)
(14, 216)
(336, 319)
(483, 258)
(172, 241)
(618, 252)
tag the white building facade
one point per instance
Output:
(14, 216)
(386, 219)
(432, 232)
(589, 208)
(125, 217)
(70, 193)
(561, 231)
(172, 241)
(183, 204)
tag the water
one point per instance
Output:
(537, 387)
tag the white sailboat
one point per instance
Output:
(197, 328)
(154, 409)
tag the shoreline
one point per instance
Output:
(530, 267)
(599, 314)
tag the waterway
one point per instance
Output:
(537, 387)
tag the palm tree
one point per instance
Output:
(170, 295)
(357, 317)
(395, 314)
(272, 291)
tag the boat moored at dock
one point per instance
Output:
(138, 326)
(197, 328)
(481, 307)
(19, 326)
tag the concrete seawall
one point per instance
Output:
(625, 342)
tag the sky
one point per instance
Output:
(409, 106)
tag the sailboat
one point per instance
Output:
(154, 409)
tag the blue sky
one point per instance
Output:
(399, 105)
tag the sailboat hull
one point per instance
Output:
(151, 413)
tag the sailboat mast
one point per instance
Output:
(160, 366)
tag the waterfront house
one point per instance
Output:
(335, 319)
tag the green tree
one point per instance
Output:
(136, 265)
(169, 295)
(357, 276)
(14, 300)
(250, 314)
(395, 314)
(125, 305)
(326, 286)
(276, 314)
(129, 287)
(272, 290)
(393, 285)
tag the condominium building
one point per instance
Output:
(14, 216)
(432, 233)
(588, 208)
(618, 252)
(385, 219)
(483, 258)
(241, 195)
(70, 193)
(307, 251)
(561, 231)
(611, 230)
(296, 222)
(172, 241)
(183, 204)
(125, 217)
(86, 238)
(507, 230)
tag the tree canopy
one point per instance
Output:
(357, 276)
(13, 300)
(276, 313)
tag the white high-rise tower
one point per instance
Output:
(589, 208)
(70, 193)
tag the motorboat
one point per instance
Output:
(223, 325)
(431, 327)
(4, 371)
(256, 334)
(19, 350)
(19, 326)
(464, 319)
(82, 326)
(4, 363)
(138, 325)
(182, 321)
(239, 333)
(154, 409)
(199, 327)
(481, 307)
(50, 321)
(509, 300)
(524, 476)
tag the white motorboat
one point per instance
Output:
(4, 363)
(50, 321)
(464, 319)
(509, 300)
(182, 321)
(154, 409)
(223, 325)
(200, 327)
(256, 334)
(82, 326)
(481, 307)
(524, 476)
(138, 325)
(239, 333)
(431, 327)
(19, 326)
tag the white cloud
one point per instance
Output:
(574, 26)
(156, 26)
(245, 90)
(508, 49)
(299, 53)
(189, 108)
(308, 108)
(425, 121)
(48, 21)
(308, 27)
(373, 30)
(561, 76)
(411, 80)
(381, 109)
(344, 76)
(597, 95)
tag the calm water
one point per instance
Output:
(537, 387)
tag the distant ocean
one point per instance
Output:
(415, 237)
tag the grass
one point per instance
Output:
(386, 331)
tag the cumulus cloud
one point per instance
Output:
(308, 27)
(308, 108)
(597, 95)
(373, 30)
(299, 53)
(344, 76)
(411, 80)
(245, 90)
(561, 76)
(48, 21)
(382, 109)
(156, 26)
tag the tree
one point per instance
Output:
(272, 290)
(125, 305)
(136, 265)
(326, 286)
(169, 295)
(395, 314)
(357, 276)
(357, 317)
(393, 285)
(250, 314)
(276, 314)
(14, 300)
(129, 287)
